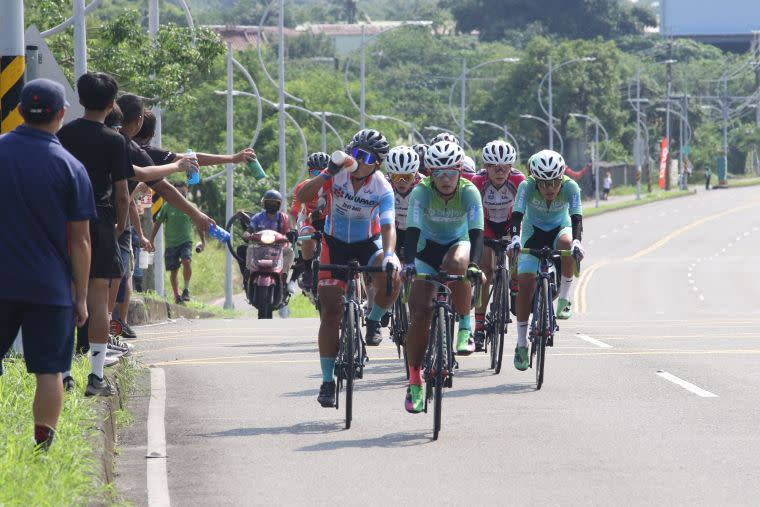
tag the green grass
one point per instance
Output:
(301, 307)
(207, 282)
(196, 305)
(67, 473)
(743, 182)
(645, 199)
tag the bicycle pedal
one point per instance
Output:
(456, 364)
(448, 382)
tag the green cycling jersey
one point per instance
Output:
(547, 216)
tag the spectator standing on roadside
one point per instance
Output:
(48, 194)
(708, 177)
(606, 185)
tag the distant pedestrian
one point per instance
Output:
(708, 177)
(606, 186)
(48, 202)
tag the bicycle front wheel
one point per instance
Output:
(543, 332)
(502, 314)
(439, 365)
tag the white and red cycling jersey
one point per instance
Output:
(498, 202)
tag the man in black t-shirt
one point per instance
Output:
(104, 154)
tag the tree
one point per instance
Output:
(572, 19)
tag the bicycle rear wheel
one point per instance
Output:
(502, 314)
(543, 330)
(439, 366)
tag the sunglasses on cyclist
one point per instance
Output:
(445, 173)
(363, 156)
(315, 172)
(407, 178)
(550, 183)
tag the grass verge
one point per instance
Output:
(645, 199)
(301, 307)
(68, 473)
(196, 305)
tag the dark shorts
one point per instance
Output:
(47, 334)
(433, 253)
(174, 255)
(335, 251)
(541, 238)
(106, 258)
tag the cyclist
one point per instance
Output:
(468, 167)
(444, 231)
(445, 136)
(549, 203)
(402, 165)
(421, 149)
(359, 225)
(301, 219)
(498, 188)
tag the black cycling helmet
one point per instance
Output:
(318, 160)
(372, 141)
(272, 195)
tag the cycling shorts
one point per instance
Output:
(428, 260)
(539, 239)
(335, 251)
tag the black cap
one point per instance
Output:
(43, 96)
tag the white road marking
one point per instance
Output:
(691, 282)
(594, 341)
(602, 236)
(157, 481)
(686, 385)
(689, 274)
(701, 297)
(695, 289)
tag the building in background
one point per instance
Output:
(728, 24)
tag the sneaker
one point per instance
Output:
(126, 331)
(178, 300)
(112, 358)
(98, 386)
(373, 336)
(69, 383)
(415, 399)
(284, 312)
(292, 287)
(521, 358)
(480, 341)
(114, 343)
(564, 309)
(326, 396)
(465, 343)
(185, 295)
(385, 320)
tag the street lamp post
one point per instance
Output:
(408, 125)
(549, 75)
(595, 157)
(507, 135)
(228, 304)
(552, 128)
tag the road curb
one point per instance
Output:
(146, 310)
(592, 212)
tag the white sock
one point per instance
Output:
(522, 334)
(564, 289)
(98, 358)
(67, 373)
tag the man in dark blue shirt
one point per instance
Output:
(46, 247)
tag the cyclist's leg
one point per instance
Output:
(563, 242)
(527, 266)
(487, 262)
(372, 255)
(455, 262)
(420, 317)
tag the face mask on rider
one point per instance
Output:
(271, 206)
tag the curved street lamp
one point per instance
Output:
(549, 74)
(505, 131)
(433, 128)
(596, 157)
(551, 127)
(407, 124)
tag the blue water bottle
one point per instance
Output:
(218, 233)
(193, 176)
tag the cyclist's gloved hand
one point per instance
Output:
(292, 236)
(577, 245)
(514, 244)
(391, 260)
(409, 271)
(474, 272)
(333, 168)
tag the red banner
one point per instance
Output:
(663, 161)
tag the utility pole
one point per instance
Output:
(362, 83)
(158, 258)
(637, 150)
(462, 99)
(228, 304)
(551, 109)
(667, 115)
(281, 105)
(80, 39)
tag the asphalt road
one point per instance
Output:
(650, 396)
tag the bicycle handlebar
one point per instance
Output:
(497, 243)
(550, 253)
(442, 278)
(353, 267)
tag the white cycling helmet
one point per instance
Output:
(445, 136)
(499, 153)
(444, 154)
(402, 160)
(547, 165)
(468, 165)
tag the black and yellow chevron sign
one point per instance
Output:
(158, 202)
(11, 82)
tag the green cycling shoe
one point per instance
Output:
(465, 343)
(415, 399)
(521, 358)
(564, 309)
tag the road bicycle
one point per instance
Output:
(498, 314)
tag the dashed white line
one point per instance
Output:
(686, 385)
(701, 297)
(594, 341)
(157, 480)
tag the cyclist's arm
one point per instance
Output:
(516, 223)
(476, 245)
(410, 244)
(577, 222)
(575, 209)
(387, 210)
(475, 223)
(388, 233)
(311, 188)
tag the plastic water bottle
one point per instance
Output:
(193, 176)
(258, 171)
(218, 233)
(344, 160)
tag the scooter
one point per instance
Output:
(266, 284)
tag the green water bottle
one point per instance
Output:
(258, 171)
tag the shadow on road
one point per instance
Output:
(281, 344)
(391, 440)
(501, 389)
(304, 428)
